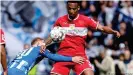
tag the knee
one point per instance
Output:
(88, 72)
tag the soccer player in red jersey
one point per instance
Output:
(76, 27)
(2, 52)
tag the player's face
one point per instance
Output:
(72, 9)
(40, 42)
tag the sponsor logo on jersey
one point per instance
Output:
(72, 30)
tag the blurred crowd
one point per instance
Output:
(24, 20)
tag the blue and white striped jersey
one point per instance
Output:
(26, 60)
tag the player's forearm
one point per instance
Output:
(3, 58)
(108, 30)
(48, 41)
(57, 57)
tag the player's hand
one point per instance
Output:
(78, 59)
(117, 34)
(42, 48)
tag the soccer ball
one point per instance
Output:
(57, 34)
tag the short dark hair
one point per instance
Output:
(74, 1)
(35, 40)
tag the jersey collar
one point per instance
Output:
(75, 18)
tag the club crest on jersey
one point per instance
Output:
(72, 26)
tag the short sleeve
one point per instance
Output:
(57, 23)
(91, 23)
(2, 37)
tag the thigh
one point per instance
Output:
(82, 68)
(88, 72)
(60, 69)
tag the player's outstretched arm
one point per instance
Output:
(108, 30)
(57, 57)
(47, 42)
(3, 59)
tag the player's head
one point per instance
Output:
(37, 42)
(73, 8)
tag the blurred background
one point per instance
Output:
(24, 20)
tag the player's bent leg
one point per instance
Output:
(59, 69)
(84, 69)
(88, 71)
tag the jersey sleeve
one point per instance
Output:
(2, 37)
(91, 23)
(57, 23)
(57, 57)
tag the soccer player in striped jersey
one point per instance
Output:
(25, 60)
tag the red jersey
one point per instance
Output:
(76, 33)
(2, 38)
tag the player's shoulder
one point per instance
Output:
(83, 16)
